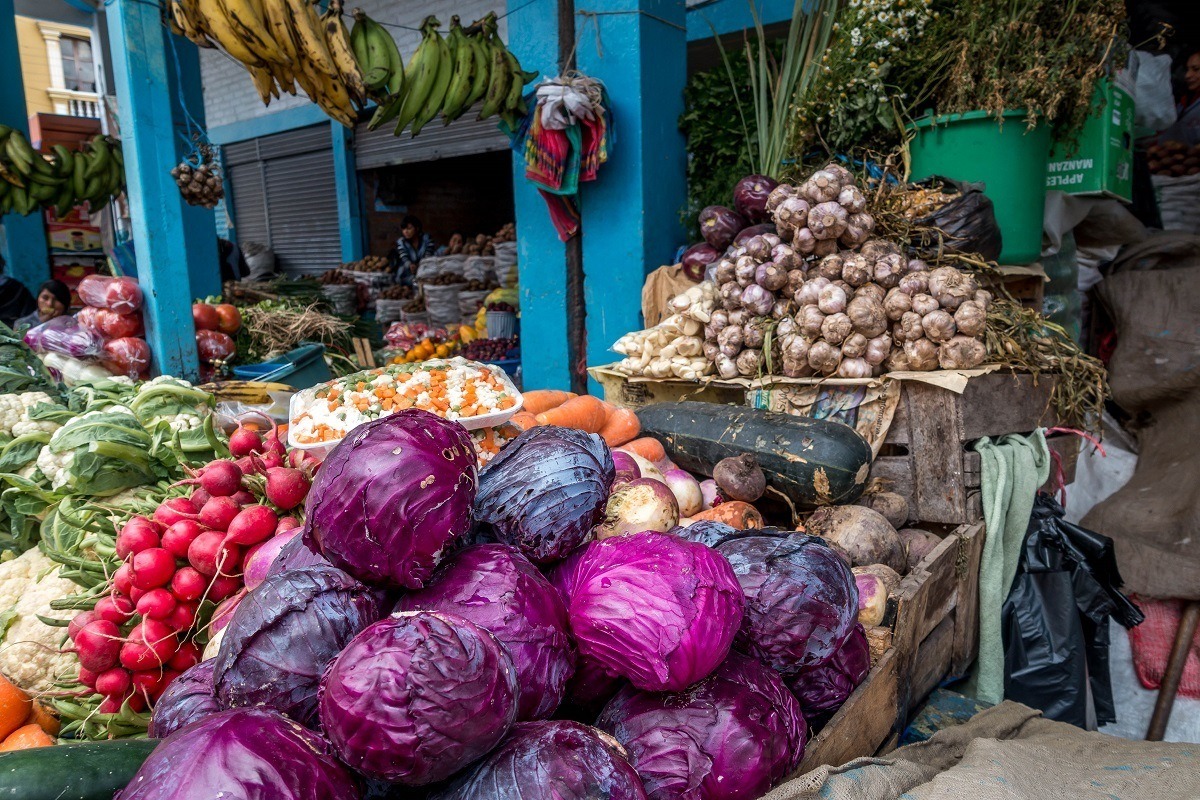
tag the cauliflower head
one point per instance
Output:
(31, 654)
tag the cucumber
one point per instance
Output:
(815, 462)
(85, 771)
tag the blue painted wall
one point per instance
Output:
(275, 122)
(729, 16)
(351, 225)
(23, 239)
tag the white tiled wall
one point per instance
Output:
(229, 95)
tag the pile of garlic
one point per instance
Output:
(674, 348)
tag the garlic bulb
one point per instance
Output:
(726, 367)
(783, 309)
(871, 290)
(924, 304)
(825, 247)
(939, 326)
(771, 276)
(758, 248)
(858, 230)
(830, 267)
(787, 258)
(832, 299)
(922, 355)
(794, 346)
(917, 265)
(754, 333)
(780, 193)
(757, 300)
(951, 287)
(718, 320)
(855, 346)
(914, 283)
(851, 198)
(810, 319)
(821, 187)
(824, 357)
(738, 317)
(793, 368)
(827, 220)
(961, 352)
(744, 269)
(856, 270)
(910, 327)
(983, 298)
(867, 316)
(970, 319)
(804, 242)
(771, 239)
(897, 361)
(896, 304)
(730, 341)
(836, 327)
(878, 349)
(749, 362)
(854, 368)
(844, 176)
(711, 351)
(875, 249)
(889, 269)
(810, 292)
(731, 295)
(796, 279)
(724, 272)
(786, 326)
(792, 214)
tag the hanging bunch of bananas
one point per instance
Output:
(445, 75)
(63, 180)
(283, 44)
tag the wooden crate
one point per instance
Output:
(1026, 285)
(934, 621)
(624, 392)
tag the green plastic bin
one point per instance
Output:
(300, 368)
(1010, 160)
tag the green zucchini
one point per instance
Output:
(815, 462)
(84, 771)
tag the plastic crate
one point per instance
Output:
(301, 368)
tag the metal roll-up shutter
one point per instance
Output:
(465, 136)
(285, 196)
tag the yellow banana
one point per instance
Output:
(264, 83)
(211, 14)
(275, 14)
(337, 39)
(307, 36)
(246, 19)
(184, 13)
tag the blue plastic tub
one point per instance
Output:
(509, 365)
(301, 368)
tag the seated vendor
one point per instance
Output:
(53, 300)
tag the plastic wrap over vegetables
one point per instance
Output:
(416, 697)
(391, 496)
(498, 589)
(285, 633)
(651, 607)
(730, 737)
(188, 698)
(557, 760)
(66, 336)
(822, 689)
(801, 601)
(122, 295)
(243, 753)
(545, 491)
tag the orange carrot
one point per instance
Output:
(648, 448)
(733, 513)
(26, 738)
(42, 716)
(585, 413)
(524, 420)
(622, 426)
(14, 707)
(540, 400)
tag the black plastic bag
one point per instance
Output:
(1055, 620)
(966, 224)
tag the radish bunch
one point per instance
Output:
(191, 550)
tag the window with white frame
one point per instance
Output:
(79, 71)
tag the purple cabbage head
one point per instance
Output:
(284, 634)
(822, 689)
(730, 737)
(296, 554)
(590, 688)
(750, 197)
(391, 496)
(416, 697)
(652, 607)
(719, 225)
(706, 531)
(545, 491)
(247, 753)
(801, 599)
(558, 760)
(188, 698)
(498, 589)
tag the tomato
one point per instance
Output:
(87, 317)
(205, 317)
(122, 295)
(230, 319)
(214, 346)
(127, 356)
(117, 326)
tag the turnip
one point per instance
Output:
(156, 604)
(686, 490)
(917, 545)
(710, 494)
(214, 644)
(627, 467)
(647, 469)
(224, 612)
(872, 599)
(260, 557)
(179, 537)
(113, 682)
(644, 504)
(244, 441)
(252, 525)
(152, 568)
(893, 507)
(286, 487)
(889, 576)
(862, 532)
(740, 478)
(188, 584)
(98, 645)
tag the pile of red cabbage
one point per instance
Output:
(687, 660)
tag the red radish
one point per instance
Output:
(87, 677)
(98, 645)
(244, 498)
(152, 568)
(149, 681)
(164, 681)
(272, 444)
(156, 604)
(111, 705)
(286, 487)
(219, 512)
(223, 586)
(244, 441)
(123, 579)
(179, 537)
(135, 594)
(116, 608)
(137, 703)
(79, 620)
(286, 524)
(113, 682)
(187, 656)
(138, 534)
(199, 497)
(173, 510)
(210, 554)
(247, 465)
(183, 617)
(270, 460)
(252, 525)
(151, 644)
(188, 584)
(221, 478)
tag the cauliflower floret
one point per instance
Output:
(31, 399)
(180, 422)
(10, 412)
(30, 650)
(27, 426)
(55, 466)
(30, 471)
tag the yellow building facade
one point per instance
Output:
(57, 68)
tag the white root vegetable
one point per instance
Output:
(889, 576)
(872, 599)
(643, 504)
(686, 490)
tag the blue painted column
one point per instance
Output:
(631, 211)
(23, 239)
(199, 223)
(345, 175)
(144, 97)
(533, 37)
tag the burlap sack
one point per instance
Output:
(1010, 752)
(660, 286)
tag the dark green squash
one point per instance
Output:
(815, 462)
(84, 771)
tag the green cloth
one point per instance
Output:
(1012, 469)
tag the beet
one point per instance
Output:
(719, 225)
(696, 259)
(740, 478)
(750, 197)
